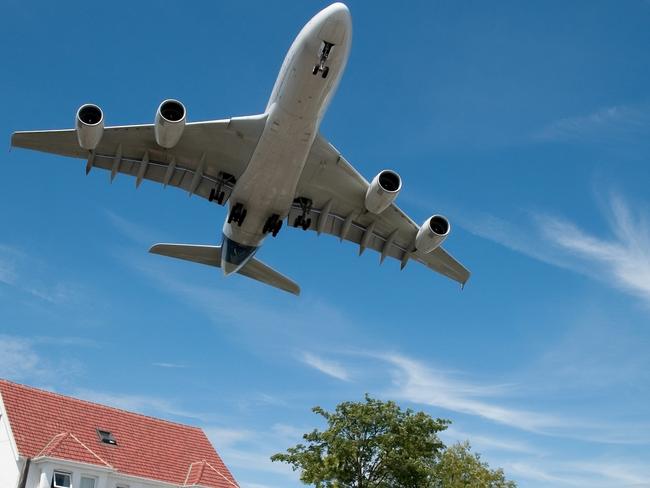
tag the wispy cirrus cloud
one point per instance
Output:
(169, 365)
(607, 473)
(417, 382)
(145, 404)
(621, 258)
(615, 123)
(21, 360)
(325, 366)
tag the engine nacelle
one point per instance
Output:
(383, 191)
(89, 124)
(432, 233)
(170, 123)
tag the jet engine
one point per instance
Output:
(89, 124)
(383, 191)
(432, 233)
(170, 123)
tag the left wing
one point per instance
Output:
(338, 192)
(209, 155)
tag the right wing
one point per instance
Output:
(208, 154)
(338, 191)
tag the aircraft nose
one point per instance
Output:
(338, 12)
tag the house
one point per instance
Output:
(49, 440)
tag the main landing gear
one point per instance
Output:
(237, 214)
(303, 219)
(273, 224)
(218, 193)
(324, 54)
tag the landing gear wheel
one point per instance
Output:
(298, 221)
(237, 214)
(220, 197)
(305, 224)
(211, 197)
(276, 229)
(325, 71)
(240, 221)
(315, 70)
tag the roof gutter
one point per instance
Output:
(22, 481)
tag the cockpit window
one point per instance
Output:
(236, 253)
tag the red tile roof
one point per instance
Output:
(52, 425)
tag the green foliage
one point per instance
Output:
(371, 444)
(375, 444)
(460, 468)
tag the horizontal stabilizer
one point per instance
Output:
(211, 256)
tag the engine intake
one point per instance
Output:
(169, 123)
(432, 233)
(383, 191)
(89, 124)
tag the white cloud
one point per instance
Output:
(8, 258)
(418, 383)
(484, 442)
(145, 404)
(330, 368)
(18, 359)
(623, 259)
(135, 232)
(607, 473)
(610, 123)
(169, 365)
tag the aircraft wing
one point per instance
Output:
(208, 154)
(338, 192)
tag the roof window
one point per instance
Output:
(106, 437)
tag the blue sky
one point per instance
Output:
(526, 123)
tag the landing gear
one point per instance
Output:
(273, 224)
(303, 222)
(303, 219)
(324, 54)
(237, 214)
(225, 182)
(218, 195)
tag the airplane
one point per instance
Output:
(267, 168)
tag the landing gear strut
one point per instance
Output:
(237, 214)
(324, 54)
(273, 224)
(218, 193)
(303, 219)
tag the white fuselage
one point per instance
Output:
(295, 109)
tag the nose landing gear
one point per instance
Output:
(237, 214)
(324, 54)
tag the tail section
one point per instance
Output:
(211, 256)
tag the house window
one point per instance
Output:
(87, 482)
(61, 480)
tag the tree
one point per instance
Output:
(460, 468)
(375, 444)
(371, 444)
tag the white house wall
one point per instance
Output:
(9, 471)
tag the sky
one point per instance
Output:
(526, 123)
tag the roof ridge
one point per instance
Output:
(219, 473)
(81, 400)
(90, 450)
(54, 443)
